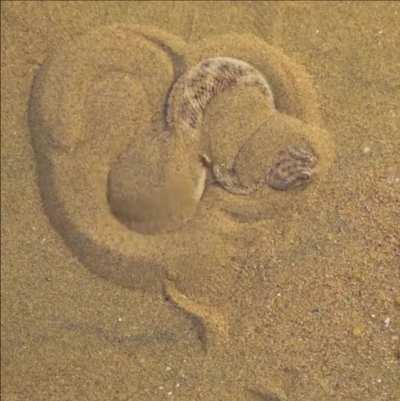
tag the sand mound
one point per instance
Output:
(97, 108)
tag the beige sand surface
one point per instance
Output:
(278, 296)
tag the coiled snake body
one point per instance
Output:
(191, 94)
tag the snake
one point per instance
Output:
(189, 98)
(181, 176)
(185, 178)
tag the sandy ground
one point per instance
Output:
(280, 297)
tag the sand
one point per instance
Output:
(275, 296)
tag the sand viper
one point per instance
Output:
(191, 94)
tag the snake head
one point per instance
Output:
(292, 168)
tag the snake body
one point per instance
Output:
(194, 89)
(185, 109)
(185, 165)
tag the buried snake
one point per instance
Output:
(185, 163)
(188, 99)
